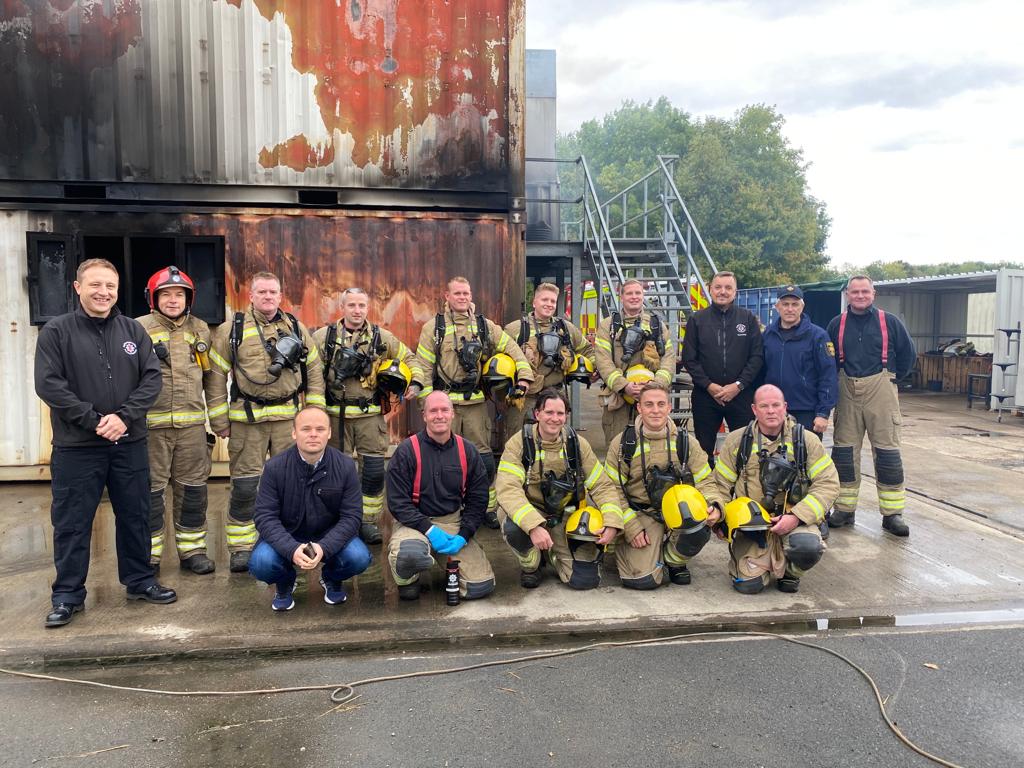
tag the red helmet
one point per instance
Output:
(170, 277)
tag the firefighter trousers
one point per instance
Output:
(181, 457)
(247, 452)
(644, 567)
(473, 422)
(869, 405)
(761, 555)
(579, 572)
(476, 578)
(365, 437)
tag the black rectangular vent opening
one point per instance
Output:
(85, 191)
(321, 197)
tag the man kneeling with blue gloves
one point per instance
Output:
(437, 493)
(308, 511)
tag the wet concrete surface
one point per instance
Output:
(954, 561)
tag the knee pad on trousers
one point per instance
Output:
(413, 557)
(585, 574)
(888, 466)
(373, 475)
(490, 466)
(803, 550)
(516, 537)
(842, 457)
(243, 498)
(477, 589)
(156, 511)
(193, 505)
(689, 544)
(644, 582)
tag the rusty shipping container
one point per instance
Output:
(371, 142)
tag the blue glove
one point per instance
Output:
(457, 543)
(438, 539)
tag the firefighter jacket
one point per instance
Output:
(546, 375)
(87, 367)
(608, 355)
(182, 401)
(441, 367)
(519, 489)
(821, 472)
(629, 476)
(253, 390)
(359, 395)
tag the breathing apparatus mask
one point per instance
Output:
(656, 482)
(633, 337)
(349, 362)
(285, 352)
(559, 494)
(161, 350)
(549, 346)
(777, 473)
(469, 355)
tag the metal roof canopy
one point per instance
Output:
(969, 282)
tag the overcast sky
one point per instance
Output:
(910, 112)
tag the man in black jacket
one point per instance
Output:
(96, 370)
(723, 353)
(308, 511)
(437, 491)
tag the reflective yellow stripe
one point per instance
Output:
(286, 411)
(240, 535)
(603, 344)
(313, 356)
(426, 354)
(613, 377)
(511, 469)
(814, 504)
(613, 473)
(665, 375)
(530, 561)
(316, 400)
(334, 410)
(189, 535)
(218, 410)
(610, 508)
(158, 336)
(522, 365)
(355, 410)
(424, 392)
(591, 481)
(628, 515)
(156, 546)
(702, 473)
(523, 511)
(892, 499)
(503, 341)
(725, 472)
(220, 362)
(175, 417)
(819, 466)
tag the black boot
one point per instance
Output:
(679, 574)
(894, 524)
(370, 533)
(530, 579)
(838, 518)
(199, 564)
(491, 519)
(239, 561)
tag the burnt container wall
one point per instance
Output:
(415, 94)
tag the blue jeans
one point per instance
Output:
(267, 565)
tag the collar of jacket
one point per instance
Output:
(258, 317)
(167, 322)
(80, 311)
(428, 440)
(799, 330)
(670, 426)
(541, 324)
(359, 333)
(724, 312)
(548, 444)
(871, 310)
(784, 434)
(460, 315)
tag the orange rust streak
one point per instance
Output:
(297, 154)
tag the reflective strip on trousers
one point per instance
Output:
(188, 542)
(372, 506)
(156, 547)
(240, 535)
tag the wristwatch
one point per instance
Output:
(739, 384)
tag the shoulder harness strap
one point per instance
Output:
(659, 338)
(524, 331)
(302, 360)
(529, 448)
(418, 476)
(484, 335)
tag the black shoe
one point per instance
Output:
(679, 574)
(62, 614)
(894, 524)
(837, 518)
(155, 593)
(788, 584)
(491, 520)
(200, 564)
(370, 533)
(530, 579)
(239, 562)
(823, 529)
(409, 591)
(748, 586)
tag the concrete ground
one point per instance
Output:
(963, 560)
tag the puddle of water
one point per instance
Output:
(960, 617)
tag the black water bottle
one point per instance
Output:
(451, 585)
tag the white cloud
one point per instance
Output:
(909, 112)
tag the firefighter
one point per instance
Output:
(664, 478)
(179, 451)
(452, 353)
(545, 474)
(352, 351)
(274, 368)
(554, 348)
(873, 352)
(630, 338)
(774, 482)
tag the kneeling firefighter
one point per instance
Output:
(364, 365)
(545, 474)
(452, 353)
(775, 482)
(275, 370)
(664, 477)
(179, 447)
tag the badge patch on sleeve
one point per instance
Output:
(830, 348)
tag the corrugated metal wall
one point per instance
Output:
(375, 93)
(981, 313)
(1009, 314)
(403, 260)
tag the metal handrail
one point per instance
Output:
(686, 212)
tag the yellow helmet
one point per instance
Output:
(637, 374)
(585, 524)
(581, 370)
(393, 376)
(745, 514)
(499, 371)
(684, 507)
